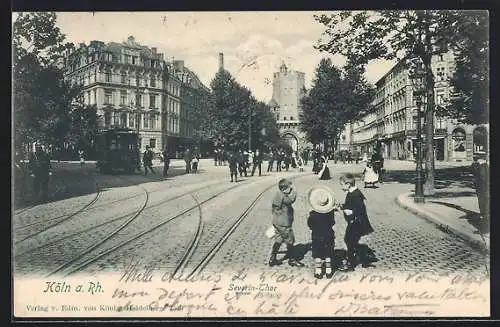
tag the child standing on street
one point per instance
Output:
(321, 220)
(356, 217)
(282, 221)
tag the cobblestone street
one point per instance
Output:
(401, 241)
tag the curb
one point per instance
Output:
(400, 200)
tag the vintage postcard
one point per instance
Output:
(250, 164)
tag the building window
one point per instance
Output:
(131, 120)
(440, 99)
(291, 117)
(123, 97)
(153, 121)
(124, 78)
(107, 119)
(152, 81)
(440, 123)
(134, 60)
(152, 143)
(116, 120)
(152, 101)
(123, 120)
(137, 81)
(284, 118)
(145, 121)
(414, 122)
(95, 96)
(138, 100)
(108, 97)
(108, 76)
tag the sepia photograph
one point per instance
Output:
(257, 164)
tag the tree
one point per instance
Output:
(336, 98)
(41, 96)
(470, 82)
(364, 36)
(230, 107)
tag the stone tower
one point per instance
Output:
(288, 87)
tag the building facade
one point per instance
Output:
(288, 89)
(132, 86)
(393, 119)
(194, 97)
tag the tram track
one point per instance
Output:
(186, 259)
(89, 207)
(71, 267)
(64, 217)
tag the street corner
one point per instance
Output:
(446, 224)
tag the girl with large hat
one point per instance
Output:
(321, 220)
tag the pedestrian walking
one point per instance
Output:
(378, 164)
(233, 166)
(358, 224)
(242, 163)
(321, 220)
(40, 170)
(282, 210)
(166, 161)
(279, 161)
(481, 171)
(187, 159)
(300, 163)
(147, 160)
(81, 155)
(365, 158)
(272, 159)
(369, 175)
(324, 173)
(194, 165)
(257, 162)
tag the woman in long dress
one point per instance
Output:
(324, 173)
(370, 176)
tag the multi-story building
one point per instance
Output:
(288, 89)
(194, 98)
(393, 119)
(132, 86)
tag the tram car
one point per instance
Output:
(117, 150)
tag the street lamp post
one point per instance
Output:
(249, 129)
(417, 78)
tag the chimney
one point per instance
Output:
(221, 61)
(153, 50)
(179, 65)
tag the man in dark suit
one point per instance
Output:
(166, 161)
(257, 162)
(378, 163)
(481, 171)
(40, 169)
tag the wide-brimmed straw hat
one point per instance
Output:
(321, 199)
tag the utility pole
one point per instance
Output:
(249, 128)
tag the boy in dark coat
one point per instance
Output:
(282, 221)
(355, 214)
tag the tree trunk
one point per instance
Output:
(429, 131)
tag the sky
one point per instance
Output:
(254, 44)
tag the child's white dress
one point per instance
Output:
(370, 175)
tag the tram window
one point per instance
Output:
(112, 145)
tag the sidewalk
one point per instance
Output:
(454, 210)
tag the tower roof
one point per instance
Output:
(273, 103)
